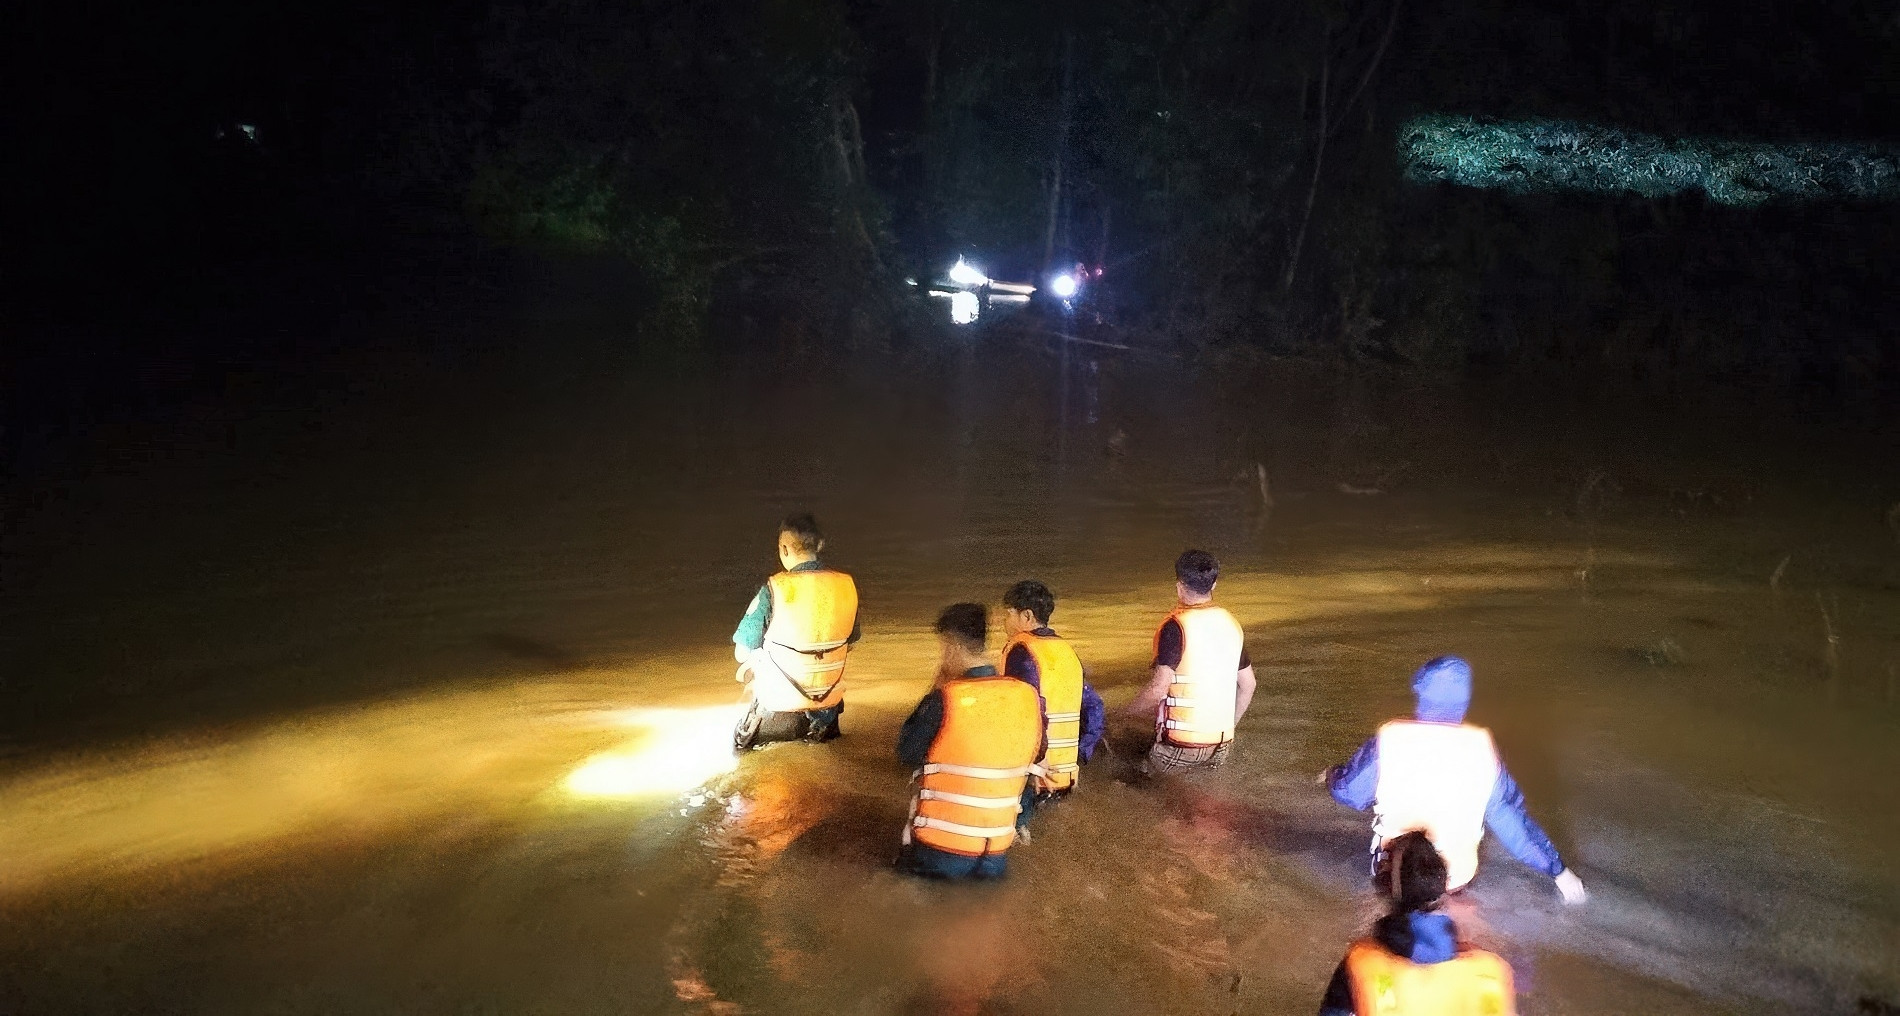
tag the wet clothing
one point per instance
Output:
(1443, 687)
(762, 723)
(1199, 708)
(1194, 726)
(1175, 758)
(1020, 663)
(758, 614)
(915, 740)
(1169, 642)
(1477, 982)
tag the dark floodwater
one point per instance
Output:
(414, 699)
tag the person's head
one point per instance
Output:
(1443, 687)
(1413, 875)
(964, 630)
(799, 539)
(1027, 605)
(1195, 573)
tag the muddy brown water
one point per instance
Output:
(298, 702)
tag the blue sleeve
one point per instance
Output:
(751, 631)
(1505, 816)
(1338, 1000)
(920, 730)
(1094, 720)
(856, 632)
(1357, 782)
(1020, 665)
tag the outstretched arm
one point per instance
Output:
(1508, 820)
(1356, 783)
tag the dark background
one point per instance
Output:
(760, 176)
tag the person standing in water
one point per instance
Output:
(973, 740)
(792, 644)
(1036, 655)
(1413, 964)
(1203, 679)
(1441, 776)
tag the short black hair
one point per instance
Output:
(1197, 570)
(1032, 596)
(968, 623)
(804, 530)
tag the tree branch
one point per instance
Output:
(1372, 65)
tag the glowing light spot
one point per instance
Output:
(963, 308)
(1541, 155)
(686, 748)
(965, 274)
(1063, 286)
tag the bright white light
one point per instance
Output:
(963, 308)
(687, 748)
(965, 274)
(1063, 286)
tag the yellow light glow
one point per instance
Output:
(685, 749)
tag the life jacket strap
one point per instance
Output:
(959, 829)
(821, 694)
(1179, 702)
(1014, 804)
(1064, 742)
(812, 648)
(1065, 767)
(1065, 717)
(973, 772)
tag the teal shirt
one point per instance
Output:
(751, 631)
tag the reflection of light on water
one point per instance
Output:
(687, 748)
(399, 768)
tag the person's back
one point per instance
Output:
(1203, 679)
(1412, 963)
(973, 740)
(814, 611)
(1436, 778)
(1442, 776)
(1073, 712)
(793, 642)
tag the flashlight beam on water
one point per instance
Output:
(1525, 156)
(688, 747)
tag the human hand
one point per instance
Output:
(1571, 887)
(1325, 776)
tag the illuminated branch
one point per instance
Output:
(1541, 155)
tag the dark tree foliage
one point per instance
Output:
(778, 166)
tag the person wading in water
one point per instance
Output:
(792, 644)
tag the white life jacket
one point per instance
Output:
(1436, 778)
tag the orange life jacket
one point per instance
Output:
(1473, 983)
(1199, 709)
(813, 613)
(1060, 674)
(970, 789)
(1436, 778)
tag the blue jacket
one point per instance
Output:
(1443, 687)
